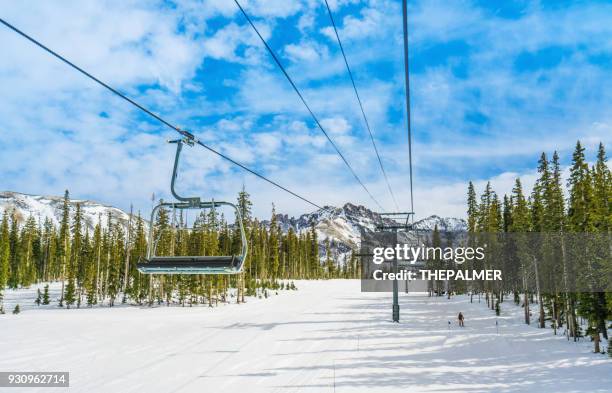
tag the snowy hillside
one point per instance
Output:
(50, 207)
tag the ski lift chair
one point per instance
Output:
(196, 264)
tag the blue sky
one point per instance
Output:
(494, 83)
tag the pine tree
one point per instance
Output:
(507, 214)
(274, 245)
(94, 283)
(5, 250)
(70, 290)
(495, 225)
(116, 257)
(602, 190)
(472, 208)
(554, 223)
(75, 267)
(581, 193)
(64, 243)
(541, 201)
(15, 253)
(329, 262)
(245, 205)
(45, 299)
(581, 218)
(538, 195)
(315, 264)
(16, 310)
(140, 285)
(555, 212)
(472, 227)
(47, 252)
(602, 217)
(521, 225)
(520, 209)
(26, 269)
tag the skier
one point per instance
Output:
(460, 318)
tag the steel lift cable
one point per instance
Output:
(316, 120)
(186, 134)
(365, 119)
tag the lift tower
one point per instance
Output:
(396, 222)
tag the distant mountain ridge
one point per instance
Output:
(342, 225)
(43, 207)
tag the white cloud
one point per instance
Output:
(305, 51)
(58, 130)
(372, 21)
(267, 144)
(336, 125)
(271, 8)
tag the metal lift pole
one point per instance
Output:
(395, 228)
(396, 307)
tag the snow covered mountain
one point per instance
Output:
(43, 207)
(447, 224)
(341, 225)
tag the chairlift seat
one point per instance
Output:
(192, 265)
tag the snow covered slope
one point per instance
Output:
(50, 207)
(325, 337)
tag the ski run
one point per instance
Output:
(325, 337)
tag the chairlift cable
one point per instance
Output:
(365, 119)
(184, 133)
(316, 120)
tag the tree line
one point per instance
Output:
(99, 266)
(560, 239)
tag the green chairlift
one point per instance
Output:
(196, 264)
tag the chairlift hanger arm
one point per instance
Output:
(193, 201)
